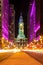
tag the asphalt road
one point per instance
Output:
(20, 58)
(37, 55)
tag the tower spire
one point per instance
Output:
(21, 27)
(21, 18)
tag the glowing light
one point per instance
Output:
(5, 18)
(16, 50)
(0, 14)
(37, 28)
(2, 38)
(21, 34)
(4, 30)
(40, 37)
(5, 36)
(13, 50)
(34, 40)
(37, 51)
(32, 21)
(21, 24)
(32, 9)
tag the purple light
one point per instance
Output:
(5, 37)
(4, 30)
(5, 18)
(37, 28)
(32, 21)
(5, 33)
(32, 10)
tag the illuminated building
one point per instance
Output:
(4, 21)
(38, 26)
(33, 24)
(21, 39)
(12, 23)
(0, 25)
(41, 17)
(32, 21)
(5, 18)
(21, 28)
(4, 10)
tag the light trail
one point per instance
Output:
(12, 50)
(18, 50)
(37, 51)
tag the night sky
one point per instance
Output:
(20, 6)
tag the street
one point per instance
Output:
(20, 58)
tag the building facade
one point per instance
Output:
(7, 19)
(33, 20)
(0, 24)
(38, 26)
(4, 19)
(12, 23)
(41, 17)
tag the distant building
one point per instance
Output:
(21, 34)
(21, 39)
(12, 23)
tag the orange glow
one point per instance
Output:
(37, 51)
(12, 50)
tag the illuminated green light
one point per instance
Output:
(21, 28)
